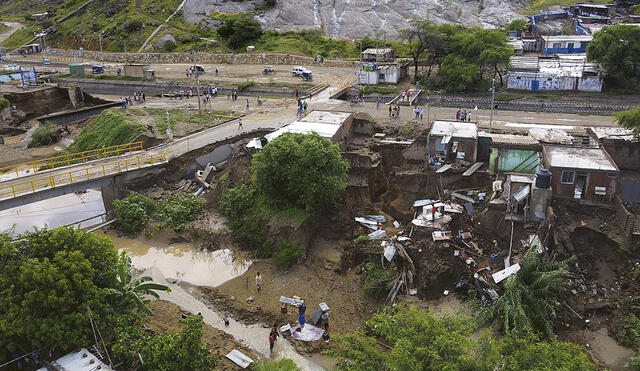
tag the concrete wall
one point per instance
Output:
(624, 153)
(342, 136)
(594, 179)
(627, 221)
(204, 58)
(536, 82)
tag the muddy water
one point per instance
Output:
(182, 261)
(54, 212)
(166, 263)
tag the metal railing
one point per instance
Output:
(79, 175)
(72, 158)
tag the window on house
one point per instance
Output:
(549, 79)
(568, 177)
(381, 76)
(570, 45)
(584, 44)
(440, 146)
(557, 45)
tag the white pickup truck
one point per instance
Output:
(302, 72)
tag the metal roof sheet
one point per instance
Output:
(454, 129)
(510, 139)
(579, 158)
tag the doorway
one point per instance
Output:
(581, 186)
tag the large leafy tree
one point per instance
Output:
(617, 50)
(423, 37)
(48, 280)
(629, 119)
(456, 75)
(532, 296)
(238, 30)
(301, 170)
(130, 292)
(170, 351)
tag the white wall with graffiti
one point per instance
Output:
(536, 82)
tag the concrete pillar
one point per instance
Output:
(76, 96)
(112, 192)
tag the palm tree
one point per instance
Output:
(129, 293)
(532, 296)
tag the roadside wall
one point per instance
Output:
(202, 58)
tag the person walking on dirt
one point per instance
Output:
(272, 340)
(325, 320)
(258, 276)
(216, 72)
(378, 103)
(390, 110)
(247, 103)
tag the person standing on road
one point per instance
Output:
(272, 340)
(258, 276)
(325, 320)
(397, 110)
(390, 110)
(378, 103)
(216, 71)
(247, 103)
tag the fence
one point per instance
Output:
(73, 158)
(80, 175)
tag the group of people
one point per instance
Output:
(302, 320)
(139, 96)
(394, 111)
(302, 107)
(125, 102)
(418, 113)
(406, 95)
(233, 95)
(463, 115)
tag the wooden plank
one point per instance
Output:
(473, 169)
(462, 197)
(444, 168)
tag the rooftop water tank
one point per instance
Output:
(543, 179)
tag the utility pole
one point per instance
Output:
(196, 74)
(493, 99)
(100, 41)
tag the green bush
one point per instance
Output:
(133, 25)
(629, 332)
(248, 227)
(179, 209)
(245, 84)
(133, 213)
(169, 46)
(44, 135)
(279, 365)
(288, 255)
(4, 104)
(376, 280)
(238, 30)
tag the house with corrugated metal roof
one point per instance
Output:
(509, 153)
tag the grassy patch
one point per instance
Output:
(110, 128)
(19, 37)
(45, 135)
(509, 96)
(537, 5)
(245, 84)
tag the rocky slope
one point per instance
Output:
(358, 18)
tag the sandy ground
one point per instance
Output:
(166, 317)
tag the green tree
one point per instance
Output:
(617, 50)
(423, 36)
(629, 119)
(526, 353)
(129, 292)
(301, 170)
(531, 296)
(133, 212)
(517, 25)
(48, 280)
(238, 30)
(4, 104)
(165, 352)
(179, 209)
(456, 75)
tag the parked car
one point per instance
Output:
(97, 69)
(268, 69)
(46, 61)
(301, 71)
(12, 67)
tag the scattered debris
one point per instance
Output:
(239, 359)
(503, 274)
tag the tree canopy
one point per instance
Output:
(531, 297)
(238, 30)
(301, 170)
(410, 338)
(617, 50)
(630, 120)
(48, 280)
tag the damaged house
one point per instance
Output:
(620, 144)
(453, 140)
(508, 153)
(554, 73)
(581, 173)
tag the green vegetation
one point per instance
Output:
(629, 119)
(308, 42)
(635, 9)
(315, 175)
(629, 332)
(165, 352)
(509, 96)
(379, 90)
(4, 104)
(280, 365)
(376, 280)
(517, 25)
(245, 84)
(409, 338)
(466, 57)
(179, 209)
(617, 50)
(19, 37)
(110, 128)
(537, 5)
(288, 254)
(134, 212)
(45, 135)
(532, 296)
(238, 30)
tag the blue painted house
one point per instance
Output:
(565, 44)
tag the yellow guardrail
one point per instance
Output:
(73, 158)
(79, 175)
(343, 85)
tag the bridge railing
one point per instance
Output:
(80, 175)
(27, 168)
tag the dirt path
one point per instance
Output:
(13, 27)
